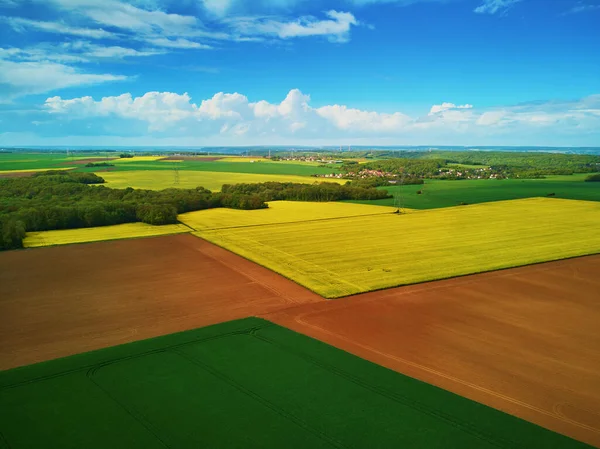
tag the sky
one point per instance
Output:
(300, 72)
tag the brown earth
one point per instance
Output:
(525, 341)
(64, 300)
(21, 174)
(192, 158)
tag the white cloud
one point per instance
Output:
(176, 43)
(21, 24)
(337, 27)
(494, 6)
(436, 108)
(21, 78)
(72, 52)
(583, 7)
(116, 14)
(233, 115)
(217, 7)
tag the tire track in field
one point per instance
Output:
(552, 414)
(262, 400)
(463, 426)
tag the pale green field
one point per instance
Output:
(278, 212)
(188, 179)
(81, 235)
(352, 255)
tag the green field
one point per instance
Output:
(37, 161)
(452, 193)
(243, 384)
(262, 167)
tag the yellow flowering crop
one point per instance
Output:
(351, 255)
(189, 179)
(81, 235)
(278, 212)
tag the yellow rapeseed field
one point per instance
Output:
(278, 212)
(2, 172)
(353, 255)
(122, 231)
(189, 179)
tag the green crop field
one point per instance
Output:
(258, 167)
(243, 384)
(34, 161)
(435, 193)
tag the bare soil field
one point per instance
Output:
(21, 174)
(525, 341)
(60, 301)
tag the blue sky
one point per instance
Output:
(238, 72)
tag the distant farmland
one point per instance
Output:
(435, 193)
(352, 255)
(188, 179)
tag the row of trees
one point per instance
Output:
(66, 200)
(324, 191)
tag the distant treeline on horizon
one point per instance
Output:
(288, 148)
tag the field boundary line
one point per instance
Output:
(295, 221)
(290, 257)
(130, 410)
(449, 377)
(286, 298)
(126, 357)
(396, 397)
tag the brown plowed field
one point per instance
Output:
(64, 300)
(524, 340)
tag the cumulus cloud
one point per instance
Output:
(494, 6)
(233, 114)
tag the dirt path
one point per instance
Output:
(60, 301)
(525, 340)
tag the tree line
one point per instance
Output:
(68, 200)
(324, 191)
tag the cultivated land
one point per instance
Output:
(352, 255)
(82, 235)
(436, 193)
(226, 164)
(244, 384)
(64, 300)
(186, 179)
(278, 212)
(523, 340)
